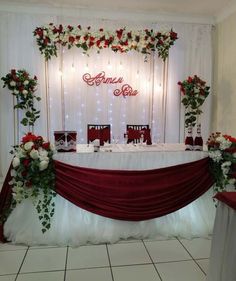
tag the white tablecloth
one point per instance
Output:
(74, 226)
(223, 251)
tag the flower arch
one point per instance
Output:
(49, 37)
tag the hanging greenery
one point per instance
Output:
(49, 37)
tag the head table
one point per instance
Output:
(73, 225)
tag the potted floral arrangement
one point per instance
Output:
(194, 92)
(33, 176)
(23, 87)
(222, 153)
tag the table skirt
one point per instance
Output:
(74, 226)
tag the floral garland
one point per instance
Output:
(23, 87)
(33, 176)
(222, 152)
(194, 91)
(144, 41)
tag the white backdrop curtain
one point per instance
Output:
(191, 54)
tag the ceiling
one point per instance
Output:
(203, 8)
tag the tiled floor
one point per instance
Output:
(135, 260)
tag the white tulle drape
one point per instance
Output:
(72, 104)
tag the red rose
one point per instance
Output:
(26, 162)
(29, 137)
(60, 29)
(71, 39)
(38, 139)
(39, 32)
(24, 173)
(190, 79)
(46, 145)
(28, 183)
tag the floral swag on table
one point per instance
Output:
(144, 41)
(33, 176)
(222, 152)
(23, 87)
(194, 92)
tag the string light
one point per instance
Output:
(60, 72)
(109, 66)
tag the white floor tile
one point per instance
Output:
(163, 251)
(180, 271)
(8, 278)
(159, 238)
(203, 264)
(199, 248)
(11, 247)
(129, 241)
(128, 253)
(44, 260)
(10, 261)
(87, 256)
(99, 274)
(145, 272)
(42, 276)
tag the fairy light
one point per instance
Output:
(60, 72)
(73, 67)
(109, 66)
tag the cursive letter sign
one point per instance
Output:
(126, 90)
(100, 78)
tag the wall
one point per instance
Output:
(224, 94)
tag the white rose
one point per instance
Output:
(13, 173)
(16, 92)
(26, 82)
(13, 83)
(25, 92)
(28, 145)
(43, 152)
(43, 158)
(52, 147)
(34, 154)
(43, 165)
(16, 162)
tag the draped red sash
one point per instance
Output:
(127, 195)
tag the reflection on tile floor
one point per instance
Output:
(134, 260)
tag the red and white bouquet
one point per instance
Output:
(222, 152)
(23, 87)
(33, 175)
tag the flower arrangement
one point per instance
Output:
(33, 176)
(23, 87)
(194, 92)
(222, 152)
(144, 41)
